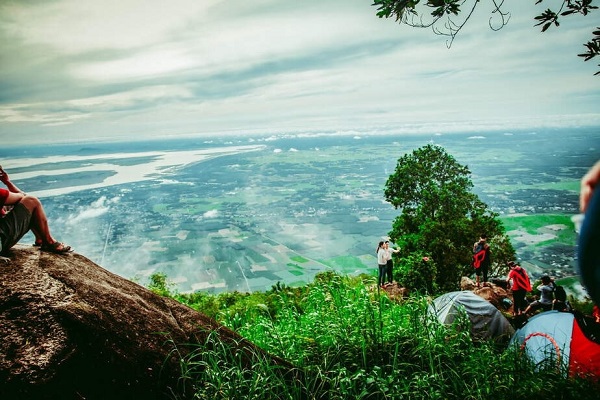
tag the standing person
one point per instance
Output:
(520, 286)
(546, 296)
(481, 258)
(26, 214)
(389, 268)
(382, 263)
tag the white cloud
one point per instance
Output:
(140, 65)
(211, 214)
(76, 26)
(130, 67)
(94, 210)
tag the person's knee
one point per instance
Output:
(31, 202)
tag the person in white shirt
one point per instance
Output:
(389, 264)
(382, 263)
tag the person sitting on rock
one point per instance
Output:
(26, 213)
(546, 296)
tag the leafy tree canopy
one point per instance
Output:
(440, 215)
(448, 17)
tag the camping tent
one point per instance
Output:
(486, 321)
(560, 339)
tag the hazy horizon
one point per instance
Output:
(96, 71)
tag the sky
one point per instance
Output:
(83, 70)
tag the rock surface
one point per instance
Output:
(70, 329)
(492, 292)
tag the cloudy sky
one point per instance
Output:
(119, 69)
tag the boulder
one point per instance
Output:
(73, 330)
(492, 291)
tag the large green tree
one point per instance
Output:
(448, 17)
(441, 216)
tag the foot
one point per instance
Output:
(56, 247)
(4, 260)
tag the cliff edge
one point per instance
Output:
(70, 329)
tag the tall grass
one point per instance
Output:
(351, 341)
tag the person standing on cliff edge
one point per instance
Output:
(20, 213)
(481, 258)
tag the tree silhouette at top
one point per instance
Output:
(448, 17)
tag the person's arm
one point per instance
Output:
(13, 198)
(4, 178)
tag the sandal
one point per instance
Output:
(37, 243)
(56, 247)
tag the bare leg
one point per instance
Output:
(39, 221)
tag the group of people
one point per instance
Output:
(385, 263)
(552, 296)
(20, 213)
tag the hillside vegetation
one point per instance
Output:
(352, 341)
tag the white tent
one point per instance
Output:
(486, 321)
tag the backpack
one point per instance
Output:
(479, 255)
(559, 293)
(478, 258)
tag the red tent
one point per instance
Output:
(559, 337)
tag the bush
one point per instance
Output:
(159, 284)
(417, 272)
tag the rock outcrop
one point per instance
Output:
(70, 329)
(494, 292)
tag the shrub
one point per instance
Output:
(417, 272)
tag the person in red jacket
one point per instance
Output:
(481, 259)
(25, 213)
(520, 286)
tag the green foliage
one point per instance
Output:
(448, 17)
(440, 215)
(593, 48)
(417, 272)
(159, 284)
(584, 306)
(350, 341)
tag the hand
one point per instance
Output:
(3, 176)
(588, 184)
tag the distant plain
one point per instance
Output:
(241, 214)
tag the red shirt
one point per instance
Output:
(3, 196)
(520, 279)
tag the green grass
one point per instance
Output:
(539, 223)
(350, 341)
(568, 185)
(299, 259)
(532, 223)
(345, 263)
